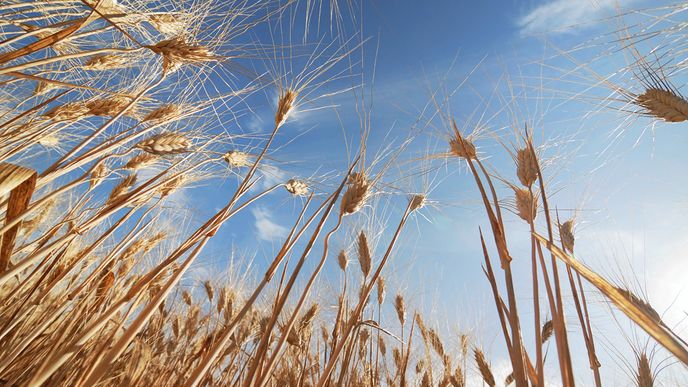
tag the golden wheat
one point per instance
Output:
(664, 105)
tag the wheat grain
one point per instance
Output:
(526, 205)
(357, 193)
(30, 226)
(644, 375)
(461, 146)
(110, 107)
(458, 379)
(308, 316)
(297, 332)
(285, 105)
(237, 159)
(186, 296)
(664, 105)
(209, 291)
(342, 260)
(417, 202)
(296, 187)
(105, 284)
(171, 25)
(52, 140)
(172, 185)
(68, 112)
(364, 259)
(165, 144)
(140, 161)
(566, 235)
(436, 343)
(641, 304)
(526, 167)
(162, 113)
(484, 367)
(98, 174)
(400, 308)
(381, 290)
(43, 87)
(122, 188)
(547, 330)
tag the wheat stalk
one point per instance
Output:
(638, 311)
(20, 183)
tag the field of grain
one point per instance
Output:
(146, 147)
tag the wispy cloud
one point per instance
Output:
(559, 16)
(272, 175)
(267, 229)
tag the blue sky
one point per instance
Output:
(627, 191)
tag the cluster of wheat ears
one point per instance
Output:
(106, 112)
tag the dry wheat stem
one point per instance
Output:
(264, 374)
(204, 365)
(19, 182)
(103, 214)
(73, 26)
(26, 341)
(635, 313)
(644, 374)
(517, 353)
(70, 85)
(136, 231)
(213, 223)
(567, 239)
(262, 347)
(561, 335)
(98, 241)
(46, 198)
(353, 320)
(59, 358)
(536, 308)
(69, 241)
(489, 273)
(118, 347)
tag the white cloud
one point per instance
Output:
(565, 15)
(271, 175)
(267, 229)
(254, 124)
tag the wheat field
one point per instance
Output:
(145, 147)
